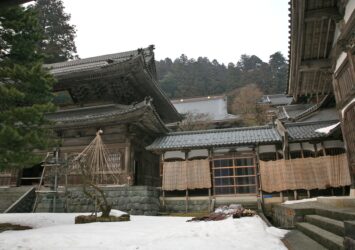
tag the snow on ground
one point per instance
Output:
(300, 201)
(58, 231)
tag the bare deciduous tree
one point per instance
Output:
(193, 121)
(245, 103)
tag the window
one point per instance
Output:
(114, 161)
(235, 175)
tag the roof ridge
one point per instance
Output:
(311, 109)
(115, 105)
(195, 99)
(94, 59)
(221, 130)
(309, 122)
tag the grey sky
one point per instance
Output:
(221, 30)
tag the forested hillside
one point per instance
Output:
(186, 77)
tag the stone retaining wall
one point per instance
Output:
(177, 205)
(24, 204)
(136, 200)
(287, 217)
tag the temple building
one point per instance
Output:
(117, 94)
(309, 150)
(208, 112)
(322, 62)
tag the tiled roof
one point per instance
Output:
(89, 113)
(108, 113)
(216, 137)
(308, 112)
(299, 131)
(322, 115)
(96, 62)
(292, 111)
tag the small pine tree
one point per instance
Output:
(25, 89)
(58, 44)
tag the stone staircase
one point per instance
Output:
(326, 226)
(9, 195)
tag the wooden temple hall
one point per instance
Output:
(248, 162)
(118, 94)
(322, 62)
(308, 151)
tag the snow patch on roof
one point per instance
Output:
(328, 129)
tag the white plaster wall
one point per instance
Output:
(336, 34)
(340, 60)
(349, 10)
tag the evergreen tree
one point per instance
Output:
(279, 69)
(25, 89)
(58, 45)
(189, 78)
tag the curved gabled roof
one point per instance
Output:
(125, 78)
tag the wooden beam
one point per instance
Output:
(324, 13)
(315, 65)
(326, 38)
(9, 3)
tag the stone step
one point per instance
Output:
(331, 225)
(335, 214)
(325, 238)
(296, 240)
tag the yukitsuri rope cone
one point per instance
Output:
(94, 160)
(96, 168)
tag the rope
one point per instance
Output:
(95, 160)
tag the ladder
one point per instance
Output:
(51, 161)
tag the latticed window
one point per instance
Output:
(114, 159)
(234, 176)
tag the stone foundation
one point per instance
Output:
(178, 204)
(136, 200)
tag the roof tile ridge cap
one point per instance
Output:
(221, 130)
(147, 103)
(164, 95)
(310, 122)
(197, 99)
(311, 109)
(114, 63)
(282, 95)
(82, 108)
(90, 59)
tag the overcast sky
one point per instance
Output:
(218, 29)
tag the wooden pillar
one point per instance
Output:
(187, 200)
(257, 168)
(209, 200)
(302, 154)
(66, 183)
(323, 149)
(161, 169)
(163, 198)
(187, 188)
(210, 159)
(295, 195)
